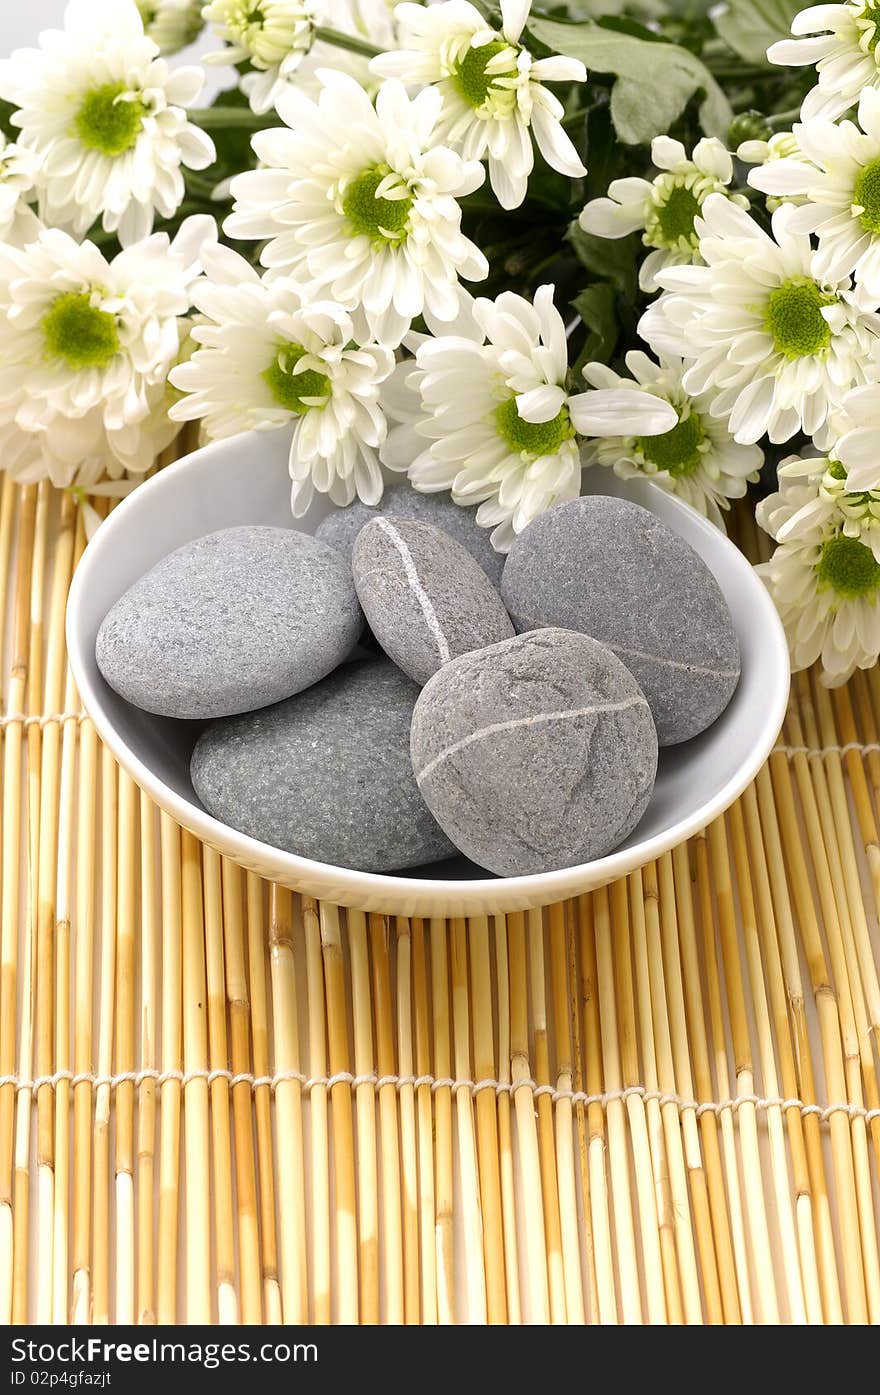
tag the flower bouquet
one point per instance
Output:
(478, 246)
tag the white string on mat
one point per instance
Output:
(865, 748)
(434, 1083)
(18, 719)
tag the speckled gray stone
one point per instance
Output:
(611, 569)
(402, 501)
(425, 598)
(536, 753)
(235, 620)
(326, 774)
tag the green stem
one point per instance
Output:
(210, 118)
(783, 118)
(349, 41)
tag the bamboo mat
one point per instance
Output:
(219, 1102)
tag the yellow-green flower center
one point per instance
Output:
(676, 452)
(676, 216)
(382, 220)
(793, 318)
(107, 122)
(868, 23)
(848, 567)
(78, 333)
(866, 196)
(469, 76)
(296, 392)
(532, 438)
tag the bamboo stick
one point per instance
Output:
(218, 1059)
(145, 1291)
(391, 1267)
(197, 1134)
(104, 1057)
(288, 1109)
(13, 1302)
(565, 1165)
(537, 1292)
(425, 1118)
(648, 1188)
(83, 1059)
(606, 1298)
(477, 940)
(615, 1115)
(475, 1301)
(172, 1062)
(365, 1115)
(505, 1123)
(443, 1164)
(552, 1221)
(345, 1214)
(322, 1296)
(257, 967)
(238, 1005)
(580, 1114)
(409, 1162)
(702, 1082)
(126, 885)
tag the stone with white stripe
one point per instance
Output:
(536, 753)
(613, 570)
(424, 596)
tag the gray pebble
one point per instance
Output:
(611, 569)
(326, 774)
(341, 527)
(536, 753)
(425, 598)
(235, 620)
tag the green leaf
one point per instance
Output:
(609, 259)
(596, 307)
(655, 80)
(749, 27)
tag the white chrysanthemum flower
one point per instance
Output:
(840, 42)
(857, 432)
(781, 146)
(105, 119)
(837, 175)
(493, 92)
(18, 174)
(273, 36)
(664, 207)
(271, 356)
(775, 347)
(697, 459)
(86, 351)
(486, 414)
(171, 24)
(361, 203)
(824, 583)
(370, 20)
(857, 511)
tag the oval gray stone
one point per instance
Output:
(325, 774)
(341, 527)
(536, 753)
(611, 569)
(425, 598)
(234, 620)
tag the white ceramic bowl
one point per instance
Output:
(245, 480)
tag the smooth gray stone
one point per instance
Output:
(235, 620)
(326, 774)
(611, 569)
(341, 527)
(536, 753)
(425, 598)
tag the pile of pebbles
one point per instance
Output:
(391, 691)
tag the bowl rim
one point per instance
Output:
(534, 888)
